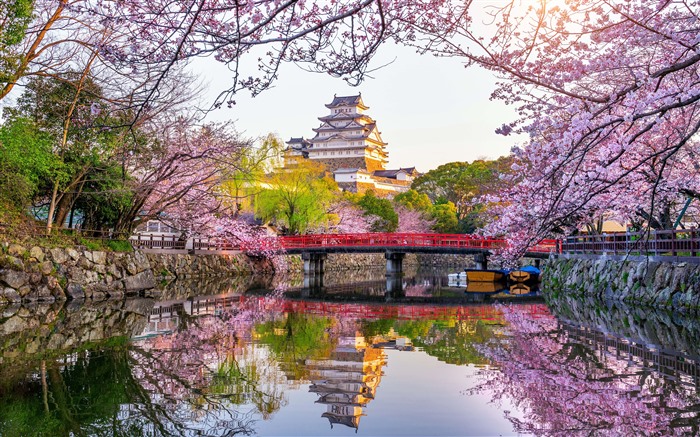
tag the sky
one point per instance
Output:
(429, 110)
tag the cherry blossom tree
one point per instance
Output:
(413, 221)
(348, 218)
(176, 173)
(607, 94)
(254, 38)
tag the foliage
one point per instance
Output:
(445, 217)
(298, 198)
(26, 161)
(241, 183)
(388, 220)
(412, 199)
(63, 113)
(414, 221)
(296, 339)
(15, 16)
(105, 194)
(463, 184)
(346, 217)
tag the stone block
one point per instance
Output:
(16, 250)
(13, 278)
(75, 291)
(99, 258)
(9, 295)
(37, 253)
(74, 254)
(46, 268)
(140, 281)
(59, 255)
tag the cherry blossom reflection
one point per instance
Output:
(563, 386)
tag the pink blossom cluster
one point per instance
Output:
(608, 96)
(565, 388)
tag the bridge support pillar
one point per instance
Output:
(394, 262)
(313, 263)
(312, 284)
(481, 260)
(394, 287)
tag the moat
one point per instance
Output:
(360, 355)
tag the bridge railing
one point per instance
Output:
(369, 240)
(676, 242)
(389, 240)
(458, 241)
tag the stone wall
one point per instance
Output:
(43, 327)
(674, 286)
(29, 274)
(353, 261)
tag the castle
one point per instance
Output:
(349, 144)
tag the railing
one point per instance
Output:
(214, 244)
(174, 242)
(370, 240)
(457, 241)
(685, 243)
(150, 241)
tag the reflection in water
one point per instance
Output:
(572, 378)
(232, 362)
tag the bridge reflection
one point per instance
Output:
(673, 365)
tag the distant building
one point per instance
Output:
(349, 144)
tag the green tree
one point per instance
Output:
(298, 198)
(296, 339)
(382, 208)
(26, 161)
(412, 199)
(243, 182)
(445, 216)
(102, 197)
(66, 112)
(15, 16)
(462, 184)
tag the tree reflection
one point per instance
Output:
(296, 338)
(564, 387)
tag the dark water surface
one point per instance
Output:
(361, 355)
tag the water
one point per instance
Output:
(358, 355)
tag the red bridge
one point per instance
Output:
(406, 243)
(314, 248)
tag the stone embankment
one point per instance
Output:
(666, 285)
(35, 274)
(343, 261)
(30, 274)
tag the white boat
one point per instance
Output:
(457, 279)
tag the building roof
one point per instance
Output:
(351, 170)
(351, 125)
(300, 140)
(391, 174)
(347, 101)
(345, 116)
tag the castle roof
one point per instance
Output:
(347, 101)
(391, 174)
(345, 116)
(300, 140)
